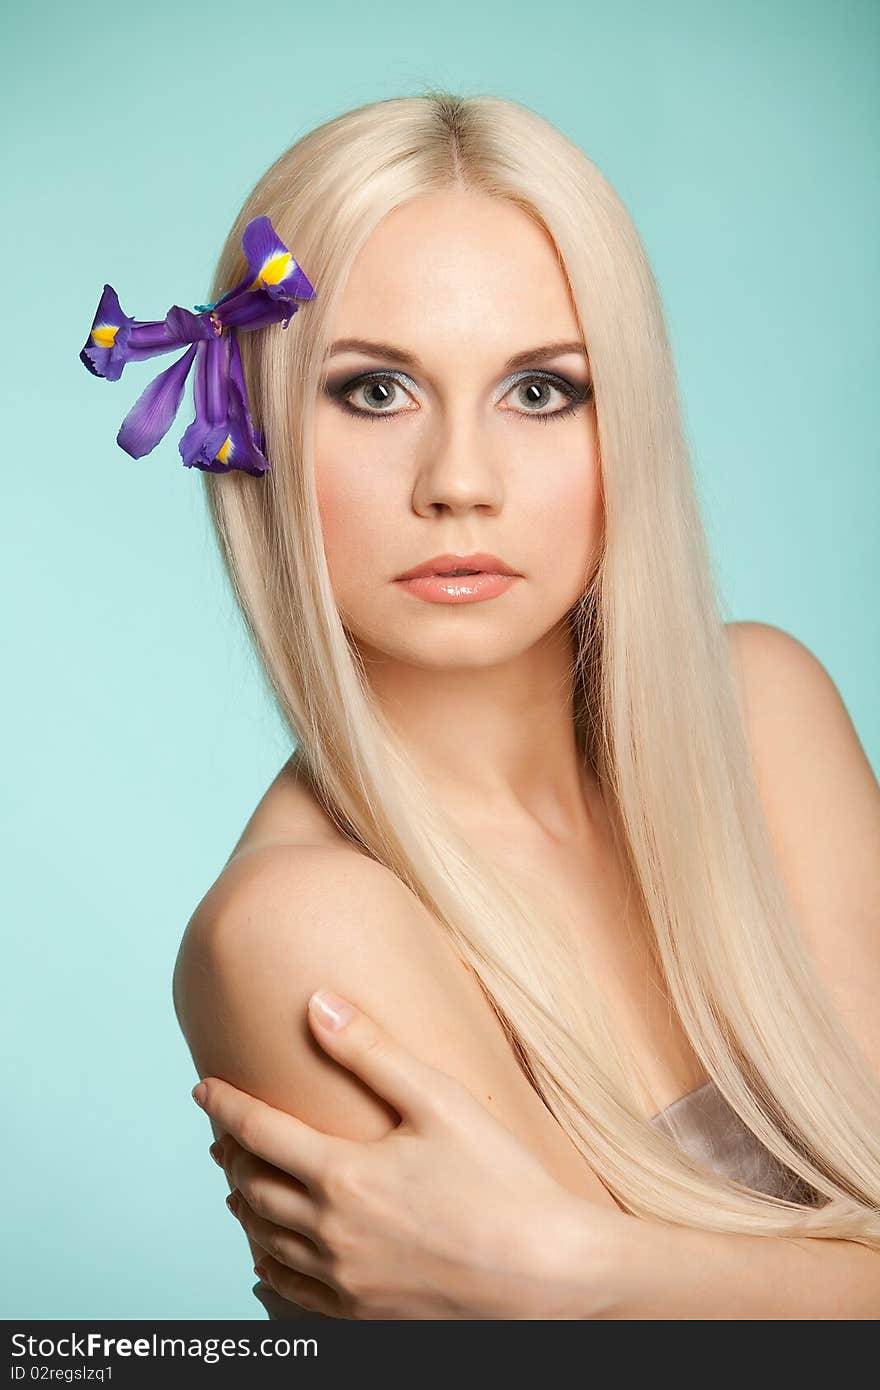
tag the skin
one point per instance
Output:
(447, 1213)
(481, 691)
(457, 457)
(450, 1215)
(447, 1216)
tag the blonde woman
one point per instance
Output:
(598, 872)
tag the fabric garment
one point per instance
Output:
(705, 1126)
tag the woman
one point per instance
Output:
(521, 830)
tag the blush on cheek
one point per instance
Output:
(339, 510)
(567, 531)
(568, 507)
(355, 545)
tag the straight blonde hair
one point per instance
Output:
(655, 706)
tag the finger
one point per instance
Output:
(274, 1195)
(287, 1247)
(366, 1049)
(308, 1293)
(279, 1138)
(240, 1164)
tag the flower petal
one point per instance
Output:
(196, 433)
(185, 327)
(272, 287)
(254, 309)
(104, 350)
(255, 439)
(116, 338)
(153, 412)
(271, 264)
(221, 437)
(209, 428)
(241, 449)
(238, 449)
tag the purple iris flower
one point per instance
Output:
(152, 414)
(272, 272)
(115, 338)
(222, 434)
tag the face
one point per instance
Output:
(436, 444)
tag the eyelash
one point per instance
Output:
(576, 395)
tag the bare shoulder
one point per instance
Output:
(282, 920)
(800, 730)
(822, 804)
(764, 654)
(288, 813)
(286, 919)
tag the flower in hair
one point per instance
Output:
(222, 434)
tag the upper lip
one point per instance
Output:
(488, 564)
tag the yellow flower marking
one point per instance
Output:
(222, 454)
(104, 334)
(274, 270)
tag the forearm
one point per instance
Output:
(656, 1270)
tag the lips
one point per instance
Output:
(480, 563)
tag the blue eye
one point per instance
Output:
(386, 383)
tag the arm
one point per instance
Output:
(716, 1275)
(822, 806)
(823, 810)
(285, 920)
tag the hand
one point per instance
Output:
(447, 1216)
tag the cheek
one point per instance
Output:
(354, 517)
(563, 500)
(553, 505)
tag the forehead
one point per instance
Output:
(460, 265)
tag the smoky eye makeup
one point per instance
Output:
(340, 388)
(397, 384)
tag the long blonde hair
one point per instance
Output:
(655, 706)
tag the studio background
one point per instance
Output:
(139, 733)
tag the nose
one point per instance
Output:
(458, 471)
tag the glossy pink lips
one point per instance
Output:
(460, 588)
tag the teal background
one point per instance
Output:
(139, 734)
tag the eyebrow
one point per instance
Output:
(409, 359)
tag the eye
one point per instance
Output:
(382, 389)
(535, 388)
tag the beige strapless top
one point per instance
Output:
(706, 1127)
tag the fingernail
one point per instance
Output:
(232, 1202)
(260, 1271)
(199, 1093)
(216, 1152)
(330, 1010)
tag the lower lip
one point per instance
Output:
(462, 588)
